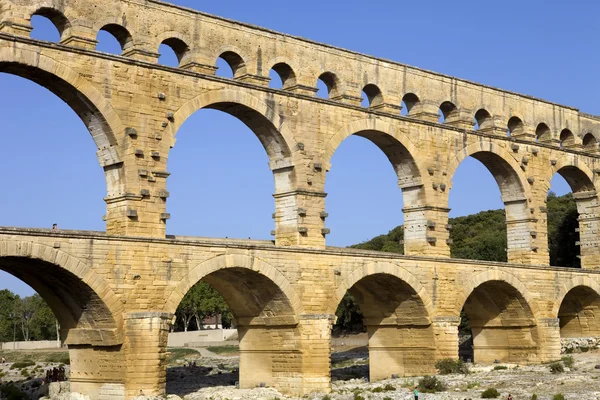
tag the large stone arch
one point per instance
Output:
(263, 120)
(384, 268)
(89, 311)
(494, 275)
(82, 97)
(578, 175)
(499, 154)
(578, 308)
(243, 262)
(570, 285)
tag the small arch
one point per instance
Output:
(448, 111)
(286, 75)
(579, 313)
(331, 83)
(373, 96)
(55, 17)
(515, 126)
(590, 143)
(543, 133)
(567, 139)
(234, 61)
(409, 101)
(118, 32)
(483, 119)
(178, 46)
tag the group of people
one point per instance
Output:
(55, 375)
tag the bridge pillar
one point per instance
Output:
(300, 218)
(145, 348)
(589, 229)
(521, 233)
(509, 341)
(98, 371)
(315, 342)
(445, 330)
(548, 339)
(403, 350)
(426, 231)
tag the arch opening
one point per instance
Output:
(172, 52)
(371, 96)
(567, 139)
(241, 187)
(590, 143)
(448, 112)
(114, 39)
(543, 133)
(34, 139)
(282, 76)
(230, 65)
(515, 126)
(348, 211)
(49, 24)
(409, 101)
(471, 235)
(501, 324)
(579, 314)
(398, 329)
(483, 120)
(263, 316)
(328, 85)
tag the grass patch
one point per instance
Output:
(472, 385)
(41, 356)
(500, 367)
(558, 396)
(386, 388)
(568, 361)
(490, 393)
(22, 364)
(58, 358)
(452, 366)
(556, 368)
(229, 349)
(179, 353)
(431, 384)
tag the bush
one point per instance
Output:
(58, 358)
(556, 368)
(24, 372)
(11, 392)
(500, 367)
(431, 384)
(386, 388)
(568, 361)
(358, 397)
(490, 393)
(534, 397)
(22, 364)
(584, 349)
(558, 396)
(451, 366)
(326, 397)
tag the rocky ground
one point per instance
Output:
(215, 377)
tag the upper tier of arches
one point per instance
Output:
(253, 52)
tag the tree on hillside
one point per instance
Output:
(8, 319)
(200, 302)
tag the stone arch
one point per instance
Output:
(372, 125)
(383, 268)
(374, 95)
(570, 285)
(577, 174)
(495, 275)
(232, 262)
(119, 32)
(500, 163)
(333, 83)
(82, 97)
(235, 57)
(58, 19)
(87, 308)
(287, 70)
(179, 43)
(274, 134)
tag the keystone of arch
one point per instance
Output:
(39, 61)
(584, 281)
(386, 268)
(490, 276)
(226, 261)
(235, 96)
(489, 147)
(23, 249)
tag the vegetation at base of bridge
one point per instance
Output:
(27, 318)
(480, 236)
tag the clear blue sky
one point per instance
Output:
(546, 48)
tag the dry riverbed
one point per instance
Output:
(216, 374)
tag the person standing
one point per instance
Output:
(416, 392)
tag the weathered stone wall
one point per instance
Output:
(115, 293)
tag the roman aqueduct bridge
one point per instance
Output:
(115, 293)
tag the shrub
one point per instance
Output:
(490, 393)
(24, 372)
(472, 385)
(556, 368)
(22, 364)
(451, 366)
(431, 384)
(58, 358)
(500, 367)
(358, 397)
(584, 349)
(386, 388)
(568, 361)
(534, 397)
(558, 396)
(326, 397)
